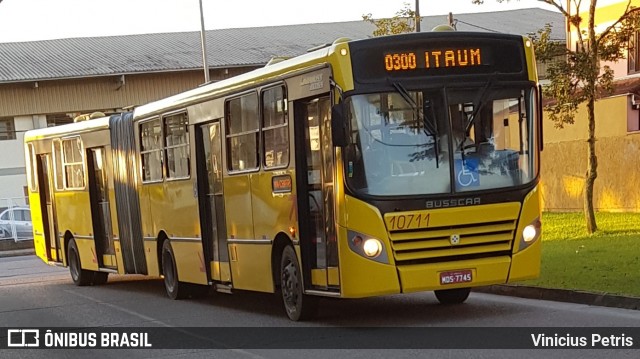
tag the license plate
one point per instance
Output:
(456, 276)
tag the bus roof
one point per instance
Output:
(237, 83)
(68, 129)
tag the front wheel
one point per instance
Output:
(297, 305)
(452, 296)
(80, 277)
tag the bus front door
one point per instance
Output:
(211, 201)
(315, 183)
(100, 210)
(45, 178)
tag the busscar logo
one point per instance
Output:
(453, 202)
(23, 338)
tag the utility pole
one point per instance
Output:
(417, 15)
(203, 41)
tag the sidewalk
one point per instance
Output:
(11, 248)
(521, 291)
(17, 252)
(563, 295)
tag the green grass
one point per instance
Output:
(605, 262)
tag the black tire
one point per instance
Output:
(100, 278)
(175, 289)
(297, 305)
(452, 296)
(80, 277)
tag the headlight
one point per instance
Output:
(367, 247)
(531, 233)
(372, 247)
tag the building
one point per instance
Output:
(617, 131)
(47, 83)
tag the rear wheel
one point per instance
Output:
(452, 296)
(297, 305)
(175, 289)
(80, 277)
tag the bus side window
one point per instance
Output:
(275, 127)
(151, 150)
(176, 134)
(242, 132)
(73, 164)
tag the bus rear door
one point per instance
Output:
(47, 208)
(100, 210)
(211, 201)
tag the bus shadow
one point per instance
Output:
(417, 309)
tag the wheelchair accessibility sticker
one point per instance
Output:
(467, 172)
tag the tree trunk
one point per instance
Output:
(591, 88)
(592, 170)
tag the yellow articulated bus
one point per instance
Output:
(380, 166)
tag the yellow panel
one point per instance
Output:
(116, 246)
(341, 66)
(334, 275)
(39, 241)
(220, 271)
(356, 280)
(215, 270)
(531, 210)
(319, 277)
(421, 277)
(73, 213)
(531, 60)
(87, 252)
(237, 205)
(252, 270)
(190, 261)
(452, 216)
(151, 255)
(526, 264)
(225, 272)
(272, 213)
(109, 260)
(170, 207)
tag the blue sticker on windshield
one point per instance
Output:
(467, 172)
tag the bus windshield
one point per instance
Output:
(409, 142)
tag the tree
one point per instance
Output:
(579, 77)
(404, 21)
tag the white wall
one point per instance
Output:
(12, 157)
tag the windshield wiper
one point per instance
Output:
(414, 106)
(478, 104)
(430, 129)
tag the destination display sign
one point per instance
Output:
(457, 56)
(433, 59)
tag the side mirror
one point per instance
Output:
(338, 125)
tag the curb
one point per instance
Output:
(17, 253)
(563, 295)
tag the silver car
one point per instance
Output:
(18, 219)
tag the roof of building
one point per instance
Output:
(115, 55)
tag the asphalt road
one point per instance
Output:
(33, 294)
